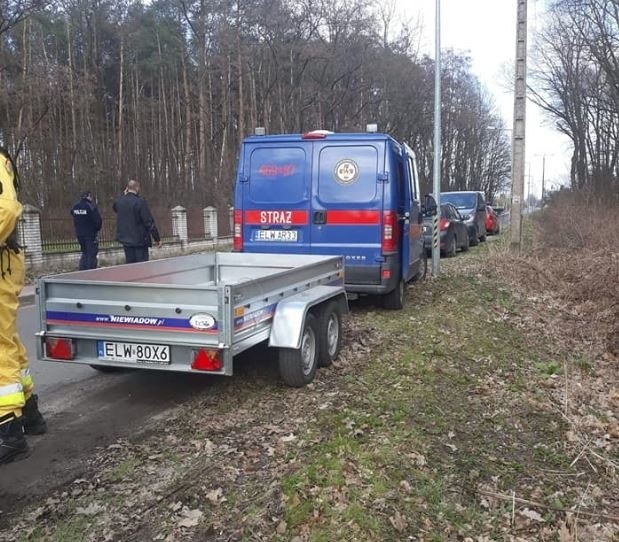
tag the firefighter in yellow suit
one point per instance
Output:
(19, 412)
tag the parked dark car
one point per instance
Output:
(453, 231)
(492, 221)
(472, 207)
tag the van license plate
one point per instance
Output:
(133, 352)
(287, 236)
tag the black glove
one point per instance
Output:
(12, 242)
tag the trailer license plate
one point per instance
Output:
(288, 236)
(133, 352)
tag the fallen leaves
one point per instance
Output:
(531, 514)
(398, 521)
(91, 510)
(216, 496)
(190, 518)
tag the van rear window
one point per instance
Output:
(277, 175)
(460, 201)
(347, 174)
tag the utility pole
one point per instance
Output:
(518, 134)
(543, 178)
(436, 250)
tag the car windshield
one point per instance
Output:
(460, 200)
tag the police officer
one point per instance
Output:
(19, 410)
(87, 222)
(135, 225)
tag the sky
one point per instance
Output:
(485, 30)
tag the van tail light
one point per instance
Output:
(206, 360)
(390, 231)
(59, 348)
(444, 224)
(238, 231)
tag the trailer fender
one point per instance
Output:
(290, 314)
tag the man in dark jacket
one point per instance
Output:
(87, 222)
(135, 226)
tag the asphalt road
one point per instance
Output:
(85, 410)
(49, 377)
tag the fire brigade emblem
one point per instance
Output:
(346, 171)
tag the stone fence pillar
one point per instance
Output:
(29, 235)
(210, 223)
(179, 225)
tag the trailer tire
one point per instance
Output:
(297, 367)
(395, 299)
(329, 334)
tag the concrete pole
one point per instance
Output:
(436, 183)
(518, 134)
(543, 179)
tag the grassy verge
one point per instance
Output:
(437, 423)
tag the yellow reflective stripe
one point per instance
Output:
(26, 378)
(10, 389)
(12, 399)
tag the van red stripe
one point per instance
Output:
(274, 217)
(351, 218)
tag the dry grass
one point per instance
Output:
(575, 258)
(568, 285)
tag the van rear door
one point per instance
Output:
(347, 205)
(276, 197)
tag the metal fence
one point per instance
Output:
(58, 234)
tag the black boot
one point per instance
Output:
(13, 445)
(34, 423)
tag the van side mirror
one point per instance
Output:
(429, 206)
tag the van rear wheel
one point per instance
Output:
(395, 299)
(297, 366)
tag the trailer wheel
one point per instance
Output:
(297, 367)
(394, 300)
(329, 334)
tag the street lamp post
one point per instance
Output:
(436, 251)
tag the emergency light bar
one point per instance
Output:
(372, 128)
(260, 131)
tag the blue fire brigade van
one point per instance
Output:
(355, 195)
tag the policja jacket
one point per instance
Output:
(135, 225)
(86, 219)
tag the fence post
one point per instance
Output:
(210, 223)
(231, 220)
(179, 225)
(29, 232)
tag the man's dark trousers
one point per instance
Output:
(136, 254)
(90, 249)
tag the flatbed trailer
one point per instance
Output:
(195, 313)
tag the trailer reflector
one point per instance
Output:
(206, 360)
(59, 348)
